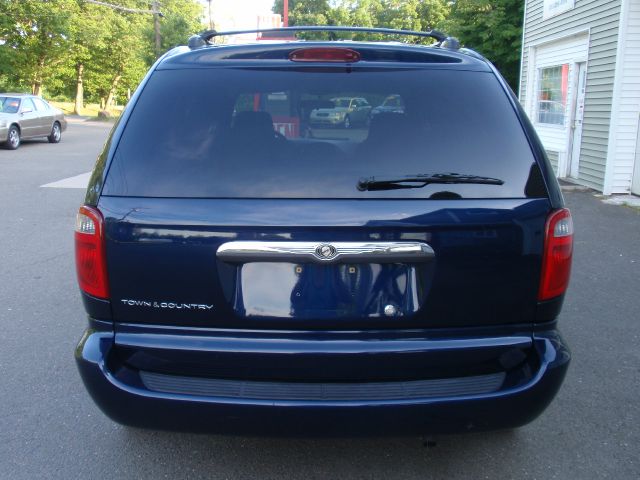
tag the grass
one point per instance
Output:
(89, 110)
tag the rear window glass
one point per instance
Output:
(316, 133)
(9, 104)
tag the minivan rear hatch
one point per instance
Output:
(299, 197)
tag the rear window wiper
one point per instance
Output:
(418, 181)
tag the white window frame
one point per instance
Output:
(537, 95)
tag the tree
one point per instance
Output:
(87, 34)
(73, 47)
(121, 54)
(400, 14)
(494, 28)
(180, 19)
(311, 12)
(278, 6)
(418, 15)
(433, 13)
(36, 35)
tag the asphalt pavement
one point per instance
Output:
(50, 428)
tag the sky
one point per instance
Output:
(237, 14)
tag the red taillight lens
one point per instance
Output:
(90, 253)
(556, 260)
(340, 55)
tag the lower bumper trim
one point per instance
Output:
(252, 390)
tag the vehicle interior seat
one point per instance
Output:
(388, 133)
(253, 127)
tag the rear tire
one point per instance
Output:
(56, 133)
(13, 139)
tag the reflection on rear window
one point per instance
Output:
(235, 133)
(9, 104)
(341, 102)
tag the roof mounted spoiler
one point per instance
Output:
(444, 41)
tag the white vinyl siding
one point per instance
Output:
(628, 113)
(601, 19)
(553, 158)
(555, 7)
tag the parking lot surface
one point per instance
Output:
(50, 428)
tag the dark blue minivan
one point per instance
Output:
(259, 253)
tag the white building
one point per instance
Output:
(580, 85)
(224, 15)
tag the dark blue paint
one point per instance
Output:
(331, 356)
(397, 56)
(488, 256)
(118, 390)
(479, 313)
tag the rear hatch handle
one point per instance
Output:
(318, 252)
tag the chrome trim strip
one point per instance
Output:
(325, 392)
(325, 252)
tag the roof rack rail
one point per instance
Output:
(202, 39)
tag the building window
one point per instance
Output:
(552, 94)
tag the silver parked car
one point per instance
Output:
(25, 116)
(345, 112)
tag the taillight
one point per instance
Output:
(325, 54)
(90, 253)
(556, 259)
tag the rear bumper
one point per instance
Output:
(128, 396)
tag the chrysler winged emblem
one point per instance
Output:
(326, 251)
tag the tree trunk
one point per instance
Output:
(79, 88)
(156, 26)
(36, 86)
(112, 90)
